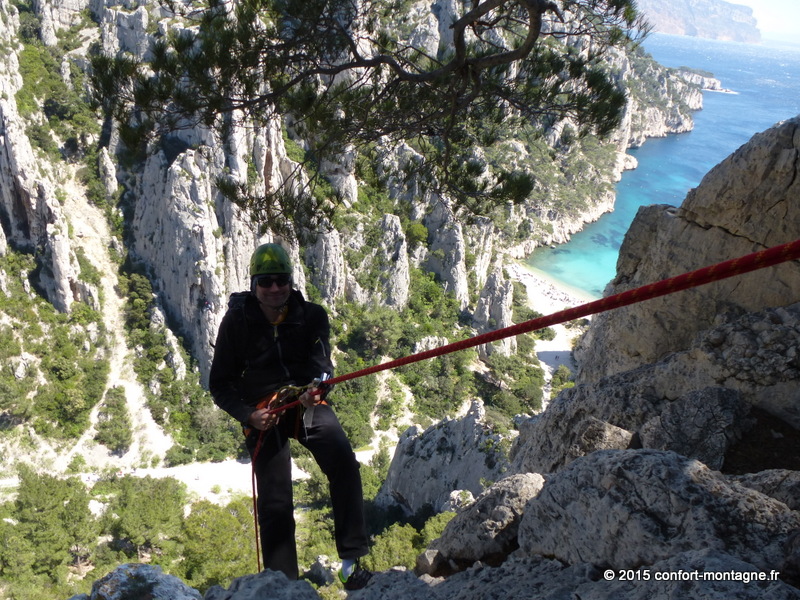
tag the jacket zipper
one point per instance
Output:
(280, 350)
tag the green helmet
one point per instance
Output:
(270, 259)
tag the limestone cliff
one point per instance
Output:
(713, 19)
(746, 203)
(30, 212)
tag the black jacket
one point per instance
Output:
(252, 357)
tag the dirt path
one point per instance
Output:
(90, 231)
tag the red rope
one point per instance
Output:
(723, 270)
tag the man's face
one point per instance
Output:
(273, 291)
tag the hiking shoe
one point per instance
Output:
(357, 580)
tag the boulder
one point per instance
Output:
(135, 580)
(484, 531)
(455, 454)
(266, 584)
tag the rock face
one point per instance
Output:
(637, 507)
(30, 213)
(761, 178)
(696, 400)
(457, 454)
(712, 19)
(494, 311)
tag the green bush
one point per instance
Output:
(114, 428)
(562, 379)
(218, 543)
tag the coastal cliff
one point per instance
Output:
(712, 19)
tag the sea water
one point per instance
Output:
(765, 88)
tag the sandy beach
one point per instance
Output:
(547, 297)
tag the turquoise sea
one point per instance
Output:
(766, 82)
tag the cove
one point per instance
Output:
(765, 80)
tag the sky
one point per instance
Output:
(777, 19)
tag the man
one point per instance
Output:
(269, 338)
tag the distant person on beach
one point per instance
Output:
(269, 338)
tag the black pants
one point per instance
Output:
(326, 440)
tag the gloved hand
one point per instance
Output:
(311, 397)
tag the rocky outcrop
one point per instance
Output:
(139, 581)
(486, 530)
(57, 15)
(494, 311)
(631, 508)
(713, 19)
(455, 454)
(696, 400)
(744, 204)
(703, 574)
(447, 255)
(30, 212)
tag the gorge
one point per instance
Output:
(611, 441)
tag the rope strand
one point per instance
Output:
(737, 266)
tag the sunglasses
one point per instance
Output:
(267, 281)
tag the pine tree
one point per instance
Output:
(219, 543)
(149, 513)
(53, 517)
(351, 78)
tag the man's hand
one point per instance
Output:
(261, 419)
(311, 397)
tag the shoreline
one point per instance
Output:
(546, 294)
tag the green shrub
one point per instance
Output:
(114, 428)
